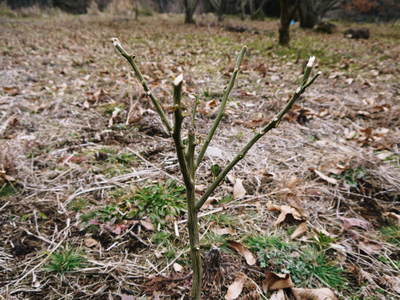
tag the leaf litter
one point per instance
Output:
(333, 163)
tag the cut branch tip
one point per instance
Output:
(178, 80)
(311, 62)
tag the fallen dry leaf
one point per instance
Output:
(273, 282)
(393, 216)
(300, 230)
(235, 289)
(313, 294)
(242, 250)
(177, 267)
(370, 248)
(325, 177)
(394, 282)
(279, 295)
(127, 297)
(91, 242)
(285, 210)
(223, 231)
(238, 189)
(354, 222)
(147, 225)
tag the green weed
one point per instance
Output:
(78, 204)
(158, 202)
(7, 190)
(391, 234)
(352, 176)
(65, 260)
(303, 264)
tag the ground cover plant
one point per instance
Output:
(82, 154)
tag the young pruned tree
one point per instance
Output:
(189, 159)
(190, 7)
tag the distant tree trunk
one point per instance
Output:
(190, 7)
(284, 37)
(243, 9)
(308, 14)
(219, 6)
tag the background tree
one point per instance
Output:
(288, 10)
(219, 6)
(190, 7)
(311, 12)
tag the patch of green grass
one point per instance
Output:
(305, 265)
(221, 219)
(391, 234)
(103, 214)
(157, 201)
(7, 190)
(352, 176)
(322, 241)
(65, 260)
(160, 201)
(78, 204)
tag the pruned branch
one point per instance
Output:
(221, 111)
(271, 125)
(139, 76)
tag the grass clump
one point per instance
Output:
(159, 202)
(391, 234)
(307, 266)
(7, 190)
(65, 260)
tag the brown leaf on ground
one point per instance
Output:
(273, 282)
(285, 210)
(235, 289)
(11, 91)
(370, 248)
(279, 295)
(242, 250)
(127, 297)
(354, 222)
(147, 225)
(313, 294)
(238, 189)
(223, 231)
(177, 267)
(300, 230)
(325, 177)
(392, 216)
(393, 282)
(91, 242)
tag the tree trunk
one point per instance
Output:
(308, 15)
(190, 7)
(284, 37)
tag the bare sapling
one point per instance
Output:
(189, 160)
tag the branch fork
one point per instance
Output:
(188, 162)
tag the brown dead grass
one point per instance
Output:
(60, 79)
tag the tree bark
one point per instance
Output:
(190, 7)
(284, 37)
(308, 14)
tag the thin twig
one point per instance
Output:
(271, 125)
(221, 111)
(154, 100)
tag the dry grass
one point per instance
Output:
(61, 84)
